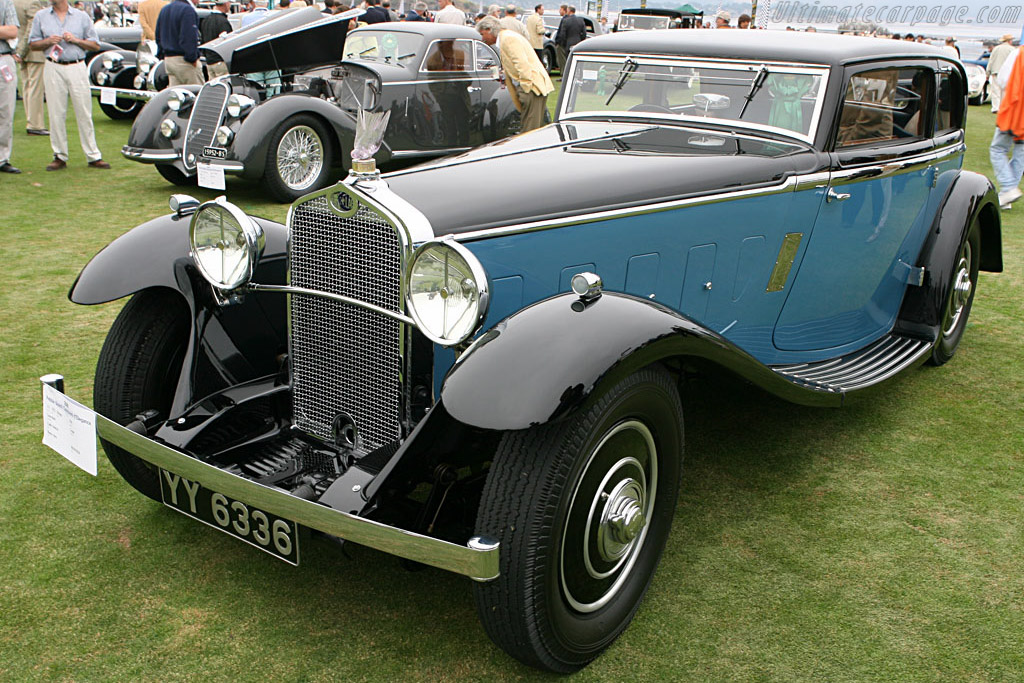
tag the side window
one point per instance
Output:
(884, 105)
(449, 55)
(949, 103)
(485, 57)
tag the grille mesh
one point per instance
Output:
(345, 358)
(205, 119)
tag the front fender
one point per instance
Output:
(145, 132)
(554, 357)
(253, 137)
(970, 196)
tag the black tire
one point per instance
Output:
(123, 109)
(571, 579)
(287, 175)
(962, 285)
(173, 175)
(138, 370)
(550, 60)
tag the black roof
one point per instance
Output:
(658, 12)
(781, 46)
(423, 28)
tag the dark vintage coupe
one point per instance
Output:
(287, 113)
(490, 382)
(652, 19)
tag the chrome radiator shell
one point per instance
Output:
(207, 114)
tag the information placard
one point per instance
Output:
(211, 177)
(69, 428)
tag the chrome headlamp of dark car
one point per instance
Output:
(145, 57)
(112, 61)
(179, 99)
(239, 105)
(226, 244)
(447, 292)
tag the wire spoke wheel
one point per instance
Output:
(300, 157)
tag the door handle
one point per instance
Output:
(832, 195)
(474, 88)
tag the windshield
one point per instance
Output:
(387, 46)
(779, 97)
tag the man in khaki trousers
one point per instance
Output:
(31, 67)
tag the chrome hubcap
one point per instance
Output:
(961, 294)
(300, 156)
(608, 516)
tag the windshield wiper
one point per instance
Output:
(628, 67)
(754, 87)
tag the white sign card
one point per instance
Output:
(108, 96)
(69, 428)
(211, 177)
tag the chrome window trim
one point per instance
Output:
(468, 70)
(893, 167)
(420, 81)
(778, 67)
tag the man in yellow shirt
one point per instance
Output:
(535, 30)
(527, 81)
(149, 10)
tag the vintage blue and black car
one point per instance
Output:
(491, 382)
(287, 113)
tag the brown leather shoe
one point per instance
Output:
(99, 163)
(57, 164)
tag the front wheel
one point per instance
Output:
(582, 510)
(123, 109)
(298, 159)
(174, 176)
(962, 285)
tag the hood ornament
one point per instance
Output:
(370, 127)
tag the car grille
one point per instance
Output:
(346, 359)
(206, 114)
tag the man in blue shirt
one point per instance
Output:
(8, 83)
(177, 37)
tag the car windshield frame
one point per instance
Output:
(583, 69)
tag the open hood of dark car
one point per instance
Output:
(289, 40)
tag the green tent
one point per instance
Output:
(689, 9)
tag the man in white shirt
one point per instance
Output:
(1007, 143)
(995, 62)
(510, 22)
(449, 14)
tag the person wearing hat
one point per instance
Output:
(995, 62)
(722, 19)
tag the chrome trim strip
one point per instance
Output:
(290, 289)
(142, 155)
(785, 186)
(125, 93)
(895, 166)
(813, 181)
(478, 559)
(412, 153)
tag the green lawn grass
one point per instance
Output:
(882, 541)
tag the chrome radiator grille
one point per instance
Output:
(206, 115)
(346, 359)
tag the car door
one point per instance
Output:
(486, 87)
(860, 257)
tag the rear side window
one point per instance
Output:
(949, 103)
(884, 105)
(449, 55)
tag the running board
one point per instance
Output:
(871, 365)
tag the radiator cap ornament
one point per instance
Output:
(370, 127)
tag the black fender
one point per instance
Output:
(554, 357)
(145, 132)
(252, 140)
(968, 197)
(230, 344)
(95, 65)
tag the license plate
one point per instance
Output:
(215, 152)
(266, 531)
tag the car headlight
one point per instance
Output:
(223, 136)
(168, 128)
(144, 67)
(140, 82)
(226, 244)
(239, 105)
(179, 99)
(446, 292)
(112, 60)
(101, 78)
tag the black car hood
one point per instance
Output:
(290, 40)
(568, 169)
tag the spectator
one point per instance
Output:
(329, 6)
(31, 68)
(536, 30)
(571, 31)
(511, 22)
(67, 35)
(211, 27)
(375, 14)
(528, 81)
(743, 21)
(1009, 136)
(995, 62)
(284, 4)
(722, 19)
(259, 12)
(149, 10)
(951, 48)
(909, 37)
(494, 11)
(450, 14)
(386, 4)
(177, 40)
(8, 83)
(417, 13)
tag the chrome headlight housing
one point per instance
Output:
(226, 244)
(101, 78)
(145, 57)
(223, 136)
(112, 61)
(168, 128)
(179, 99)
(446, 292)
(239, 105)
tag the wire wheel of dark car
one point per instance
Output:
(582, 510)
(299, 158)
(962, 285)
(173, 175)
(122, 109)
(138, 370)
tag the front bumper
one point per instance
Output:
(168, 156)
(124, 93)
(478, 559)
